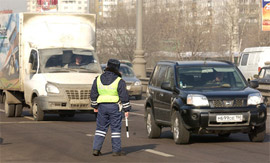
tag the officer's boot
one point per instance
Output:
(96, 152)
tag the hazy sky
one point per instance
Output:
(15, 5)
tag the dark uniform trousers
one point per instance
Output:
(108, 115)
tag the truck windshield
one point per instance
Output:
(207, 78)
(72, 60)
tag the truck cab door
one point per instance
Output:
(31, 69)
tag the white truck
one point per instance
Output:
(37, 58)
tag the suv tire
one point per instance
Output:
(257, 134)
(180, 134)
(153, 130)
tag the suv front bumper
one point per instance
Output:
(206, 119)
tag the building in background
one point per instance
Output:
(74, 6)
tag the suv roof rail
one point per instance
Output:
(169, 61)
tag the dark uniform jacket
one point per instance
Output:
(107, 78)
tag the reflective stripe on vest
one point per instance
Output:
(108, 93)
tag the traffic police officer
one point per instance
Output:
(107, 90)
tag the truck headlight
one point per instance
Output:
(254, 99)
(50, 88)
(197, 100)
(137, 83)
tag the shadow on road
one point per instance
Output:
(133, 149)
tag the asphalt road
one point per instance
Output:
(70, 140)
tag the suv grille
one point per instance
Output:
(224, 103)
(78, 94)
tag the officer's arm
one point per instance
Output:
(94, 95)
(123, 95)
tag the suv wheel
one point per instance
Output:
(257, 134)
(180, 134)
(153, 130)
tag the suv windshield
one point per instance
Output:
(63, 60)
(205, 78)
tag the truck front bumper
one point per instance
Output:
(47, 103)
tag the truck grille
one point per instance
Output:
(224, 103)
(78, 94)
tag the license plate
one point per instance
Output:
(128, 87)
(229, 118)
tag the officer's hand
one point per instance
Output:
(95, 110)
(126, 114)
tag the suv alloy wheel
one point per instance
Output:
(180, 134)
(153, 130)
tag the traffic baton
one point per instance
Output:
(127, 127)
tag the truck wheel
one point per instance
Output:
(180, 134)
(18, 110)
(257, 134)
(9, 108)
(38, 114)
(153, 130)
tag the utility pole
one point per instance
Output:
(139, 63)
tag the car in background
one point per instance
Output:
(263, 79)
(126, 62)
(134, 85)
(203, 97)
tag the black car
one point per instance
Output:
(188, 97)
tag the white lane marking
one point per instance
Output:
(90, 135)
(158, 153)
(137, 104)
(1, 110)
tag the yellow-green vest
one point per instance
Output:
(108, 93)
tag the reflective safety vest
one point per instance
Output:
(108, 93)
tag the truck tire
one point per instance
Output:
(18, 110)
(153, 130)
(38, 114)
(180, 134)
(9, 108)
(257, 134)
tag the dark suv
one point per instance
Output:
(201, 97)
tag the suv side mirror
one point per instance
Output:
(254, 83)
(166, 86)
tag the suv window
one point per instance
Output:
(153, 81)
(169, 76)
(161, 75)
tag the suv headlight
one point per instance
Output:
(137, 83)
(50, 88)
(254, 99)
(197, 100)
